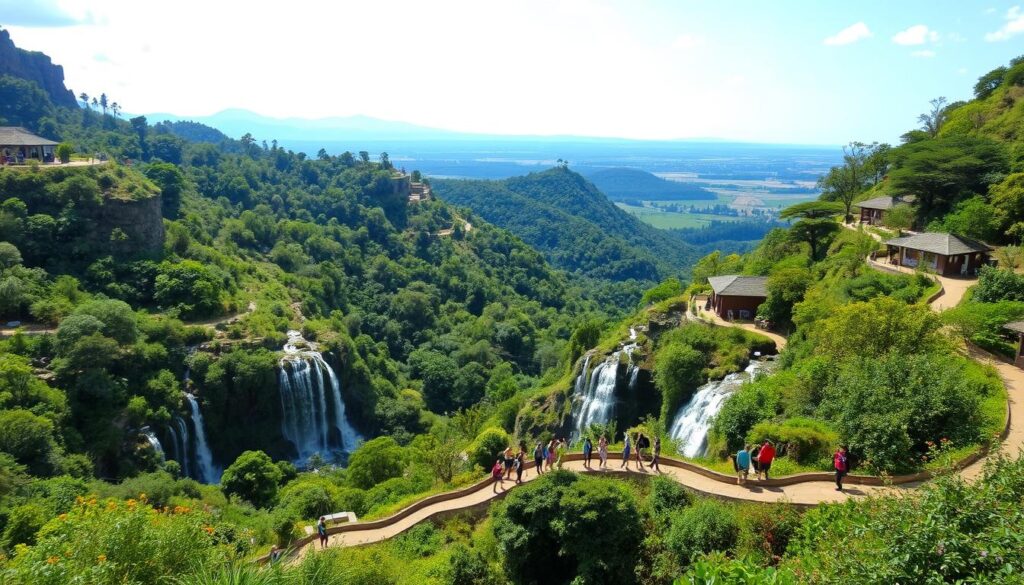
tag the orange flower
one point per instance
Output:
(208, 529)
(63, 516)
(102, 558)
(53, 560)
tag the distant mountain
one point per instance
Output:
(237, 122)
(568, 219)
(623, 183)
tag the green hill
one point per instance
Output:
(564, 216)
(622, 183)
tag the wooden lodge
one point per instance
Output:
(945, 254)
(872, 211)
(18, 145)
(737, 297)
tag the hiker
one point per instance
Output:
(552, 449)
(321, 531)
(656, 454)
(506, 461)
(497, 475)
(754, 462)
(517, 465)
(765, 457)
(642, 443)
(560, 450)
(538, 457)
(742, 464)
(602, 451)
(625, 451)
(588, 451)
(842, 465)
(547, 452)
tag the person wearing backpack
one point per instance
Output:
(588, 451)
(842, 464)
(754, 462)
(641, 444)
(538, 457)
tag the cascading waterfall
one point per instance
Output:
(594, 396)
(692, 422)
(309, 413)
(153, 441)
(182, 447)
(206, 470)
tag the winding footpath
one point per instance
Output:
(801, 490)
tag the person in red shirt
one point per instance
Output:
(842, 465)
(765, 458)
(497, 473)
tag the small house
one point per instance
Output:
(18, 145)
(737, 297)
(945, 254)
(872, 211)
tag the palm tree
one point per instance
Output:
(95, 103)
(85, 99)
(104, 103)
(116, 108)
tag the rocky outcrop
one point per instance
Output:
(126, 228)
(37, 67)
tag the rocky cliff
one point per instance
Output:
(37, 67)
(126, 228)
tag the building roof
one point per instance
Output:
(734, 285)
(15, 136)
(942, 244)
(1017, 326)
(885, 202)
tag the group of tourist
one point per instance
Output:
(641, 444)
(759, 459)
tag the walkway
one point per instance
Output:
(805, 490)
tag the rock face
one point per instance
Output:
(140, 221)
(37, 67)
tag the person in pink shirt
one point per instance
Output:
(842, 465)
(765, 458)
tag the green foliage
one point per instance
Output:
(549, 529)
(252, 477)
(982, 324)
(876, 327)
(974, 218)
(487, 446)
(707, 525)
(188, 286)
(64, 151)
(29, 439)
(665, 290)
(678, 370)
(804, 440)
(995, 284)
(375, 461)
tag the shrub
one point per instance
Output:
(801, 439)
(678, 370)
(310, 497)
(64, 151)
(665, 497)
(253, 477)
(375, 461)
(487, 446)
(708, 525)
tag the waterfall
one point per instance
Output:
(692, 422)
(180, 441)
(153, 441)
(207, 472)
(594, 394)
(313, 411)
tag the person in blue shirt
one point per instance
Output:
(625, 452)
(742, 464)
(588, 451)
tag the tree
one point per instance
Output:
(989, 82)
(942, 171)
(899, 218)
(118, 319)
(845, 182)
(364, 156)
(85, 99)
(375, 461)
(385, 161)
(714, 265)
(786, 287)
(104, 103)
(973, 218)
(932, 120)
(549, 529)
(9, 255)
(487, 447)
(252, 477)
(141, 130)
(64, 151)
(171, 182)
(877, 327)
(28, 438)
(815, 224)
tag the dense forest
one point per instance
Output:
(621, 184)
(175, 296)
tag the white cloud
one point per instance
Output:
(915, 35)
(687, 41)
(925, 54)
(1014, 26)
(850, 34)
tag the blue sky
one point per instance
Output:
(788, 72)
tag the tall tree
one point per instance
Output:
(104, 103)
(845, 182)
(815, 224)
(932, 120)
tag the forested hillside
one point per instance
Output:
(564, 216)
(620, 184)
